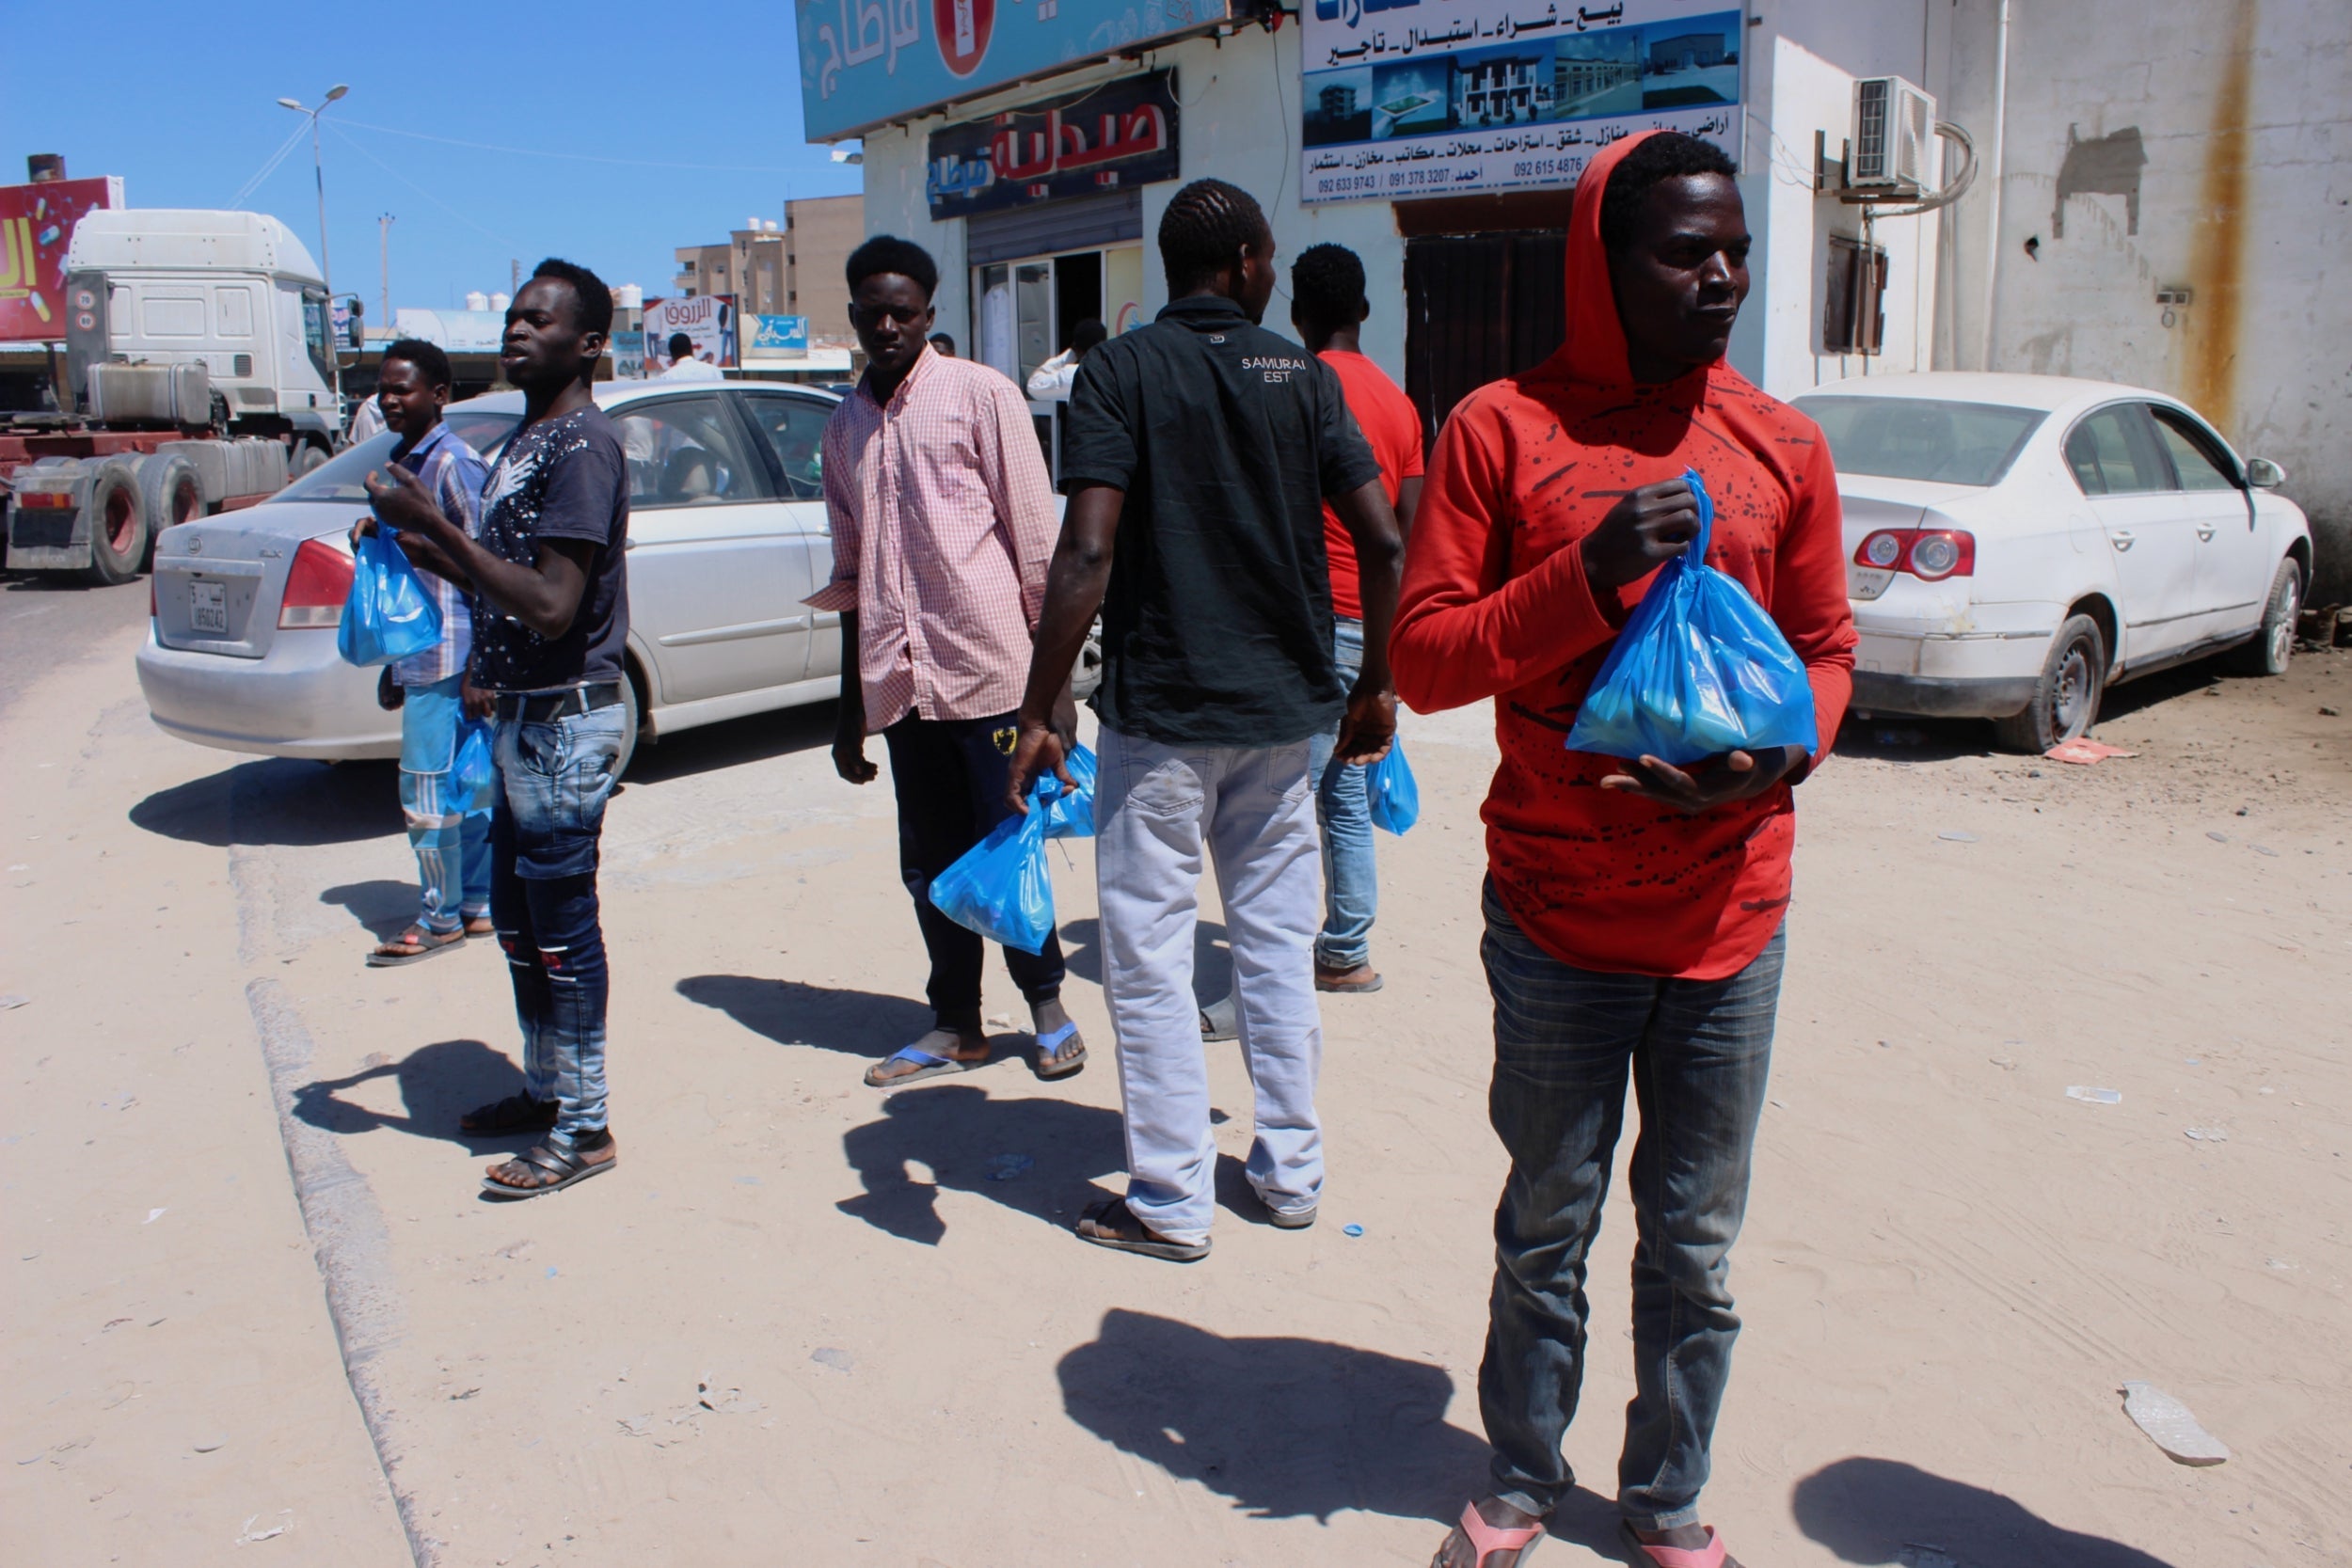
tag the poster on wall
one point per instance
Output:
(628, 356)
(1410, 98)
(707, 319)
(35, 226)
(1115, 134)
(868, 62)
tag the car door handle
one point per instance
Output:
(2206, 533)
(2123, 539)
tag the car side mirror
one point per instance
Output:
(2263, 474)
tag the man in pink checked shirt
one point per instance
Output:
(943, 521)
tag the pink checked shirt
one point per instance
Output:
(943, 521)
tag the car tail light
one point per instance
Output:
(317, 584)
(1931, 554)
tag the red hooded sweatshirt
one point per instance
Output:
(1496, 604)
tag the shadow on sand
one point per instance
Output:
(1882, 1511)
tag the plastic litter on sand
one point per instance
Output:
(1004, 1167)
(2208, 1134)
(1351, 1230)
(2096, 1096)
(840, 1360)
(2171, 1426)
(1958, 835)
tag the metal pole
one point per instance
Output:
(318, 169)
(384, 267)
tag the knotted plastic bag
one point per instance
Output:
(1699, 670)
(999, 887)
(389, 614)
(1069, 812)
(475, 776)
(1395, 797)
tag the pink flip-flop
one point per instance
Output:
(1487, 1538)
(1710, 1556)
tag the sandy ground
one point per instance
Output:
(807, 1323)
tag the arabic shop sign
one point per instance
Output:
(1120, 133)
(1406, 98)
(786, 337)
(866, 62)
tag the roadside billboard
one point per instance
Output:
(866, 62)
(1399, 101)
(707, 319)
(36, 225)
(784, 337)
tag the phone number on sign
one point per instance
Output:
(1340, 185)
(1404, 178)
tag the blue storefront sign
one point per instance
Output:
(778, 334)
(1120, 133)
(866, 62)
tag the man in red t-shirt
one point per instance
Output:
(1328, 308)
(1632, 908)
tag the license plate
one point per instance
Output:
(209, 611)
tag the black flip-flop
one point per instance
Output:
(1141, 1241)
(563, 1164)
(435, 942)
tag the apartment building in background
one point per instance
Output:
(793, 268)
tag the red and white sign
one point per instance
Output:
(962, 29)
(36, 225)
(708, 318)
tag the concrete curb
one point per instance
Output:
(348, 1240)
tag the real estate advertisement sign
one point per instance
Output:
(708, 318)
(1118, 134)
(868, 62)
(35, 226)
(1408, 98)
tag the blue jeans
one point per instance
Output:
(453, 846)
(545, 836)
(1351, 877)
(1566, 1041)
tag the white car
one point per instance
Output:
(727, 533)
(2016, 544)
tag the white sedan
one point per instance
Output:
(2016, 544)
(727, 534)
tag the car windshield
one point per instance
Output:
(1922, 438)
(343, 478)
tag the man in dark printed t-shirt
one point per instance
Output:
(548, 575)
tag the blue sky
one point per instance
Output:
(182, 105)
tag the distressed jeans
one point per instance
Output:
(544, 838)
(1155, 806)
(453, 846)
(1697, 1052)
(1351, 875)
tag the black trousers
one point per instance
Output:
(950, 776)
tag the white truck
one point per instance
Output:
(200, 372)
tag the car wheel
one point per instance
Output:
(2066, 698)
(2267, 653)
(633, 716)
(118, 525)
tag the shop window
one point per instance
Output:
(1854, 305)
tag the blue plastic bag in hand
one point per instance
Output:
(1000, 888)
(1699, 670)
(1395, 797)
(474, 775)
(388, 614)
(1069, 812)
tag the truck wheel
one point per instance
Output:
(2268, 655)
(169, 492)
(2066, 699)
(118, 528)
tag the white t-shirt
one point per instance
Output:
(691, 370)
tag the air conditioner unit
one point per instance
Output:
(1893, 125)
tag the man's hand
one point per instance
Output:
(477, 702)
(1065, 719)
(1369, 727)
(1646, 529)
(363, 529)
(1717, 782)
(1038, 751)
(848, 746)
(404, 503)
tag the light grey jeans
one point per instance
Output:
(1155, 807)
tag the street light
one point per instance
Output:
(318, 171)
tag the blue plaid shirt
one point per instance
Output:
(455, 476)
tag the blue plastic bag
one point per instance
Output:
(1699, 670)
(475, 774)
(1000, 888)
(1395, 797)
(1069, 812)
(388, 615)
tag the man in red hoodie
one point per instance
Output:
(1632, 908)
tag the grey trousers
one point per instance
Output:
(1155, 807)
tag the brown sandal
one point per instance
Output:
(413, 945)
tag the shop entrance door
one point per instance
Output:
(1478, 307)
(1027, 311)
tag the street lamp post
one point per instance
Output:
(326, 265)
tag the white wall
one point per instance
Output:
(2243, 114)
